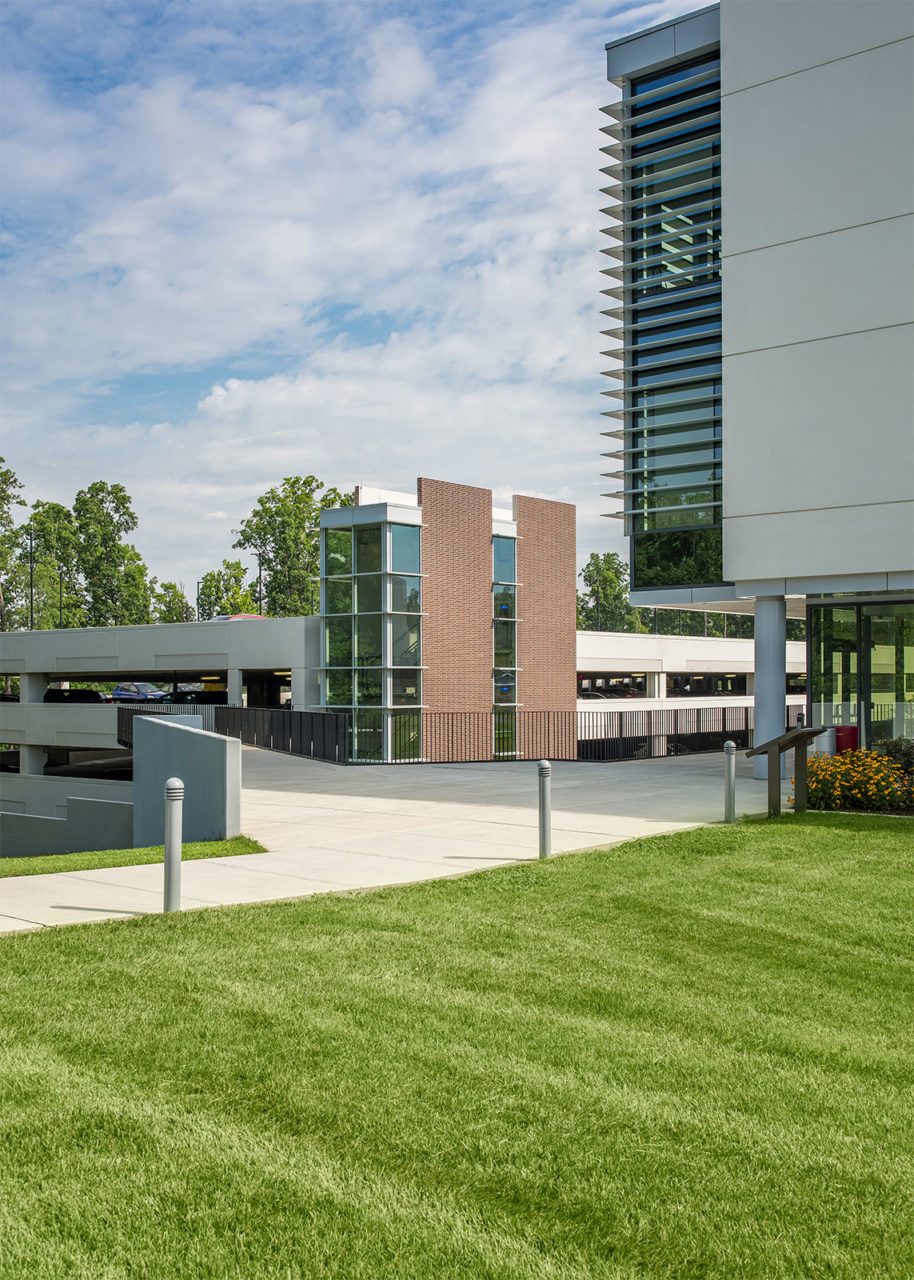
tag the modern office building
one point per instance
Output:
(761, 160)
(443, 603)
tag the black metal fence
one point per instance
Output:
(453, 737)
(127, 711)
(320, 735)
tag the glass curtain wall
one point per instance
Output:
(861, 664)
(504, 645)
(371, 601)
(667, 145)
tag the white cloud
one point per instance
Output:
(448, 200)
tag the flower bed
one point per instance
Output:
(861, 780)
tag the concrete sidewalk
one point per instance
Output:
(328, 827)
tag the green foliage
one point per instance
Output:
(863, 780)
(10, 497)
(604, 605)
(115, 584)
(225, 591)
(170, 604)
(687, 1057)
(901, 752)
(284, 529)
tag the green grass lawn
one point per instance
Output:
(685, 1057)
(125, 857)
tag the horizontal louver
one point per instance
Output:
(663, 273)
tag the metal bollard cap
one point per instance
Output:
(544, 768)
(729, 746)
(174, 789)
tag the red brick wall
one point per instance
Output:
(457, 596)
(546, 604)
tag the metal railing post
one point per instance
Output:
(544, 769)
(174, 810)
(729, 782)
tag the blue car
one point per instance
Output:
(135, 691)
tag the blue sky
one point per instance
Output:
(250, 240)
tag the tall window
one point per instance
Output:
(504, 626)
(372, 635)
(667, 298)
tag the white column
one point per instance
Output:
(32, 759)
(299, 688)
(770, 676)
(656, 684)
(233, 694)
(32, 687)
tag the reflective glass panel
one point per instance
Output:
(339, 642)
(405, 735)
(339, 595)
(405, 687)
(368, 687)
(338, 551)
(339, 688)
(368, 640)
(368, 594)
(368, 735)
(404, 548)
(404, 641)
(503, 560)
(504, 602)
(677, 518)
(405, 594)
(505, 733)
(505, 644)
(677, 558)
(887, 636)
(505, 687)
(368, 548)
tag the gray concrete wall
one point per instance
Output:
(208, 765)
(43, 797)
(88, 825)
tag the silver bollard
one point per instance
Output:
(729, 782)
(174, 812)
(544, 768)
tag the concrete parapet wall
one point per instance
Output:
(208, 765)
(43, 797)
(88, 825)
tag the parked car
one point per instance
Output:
(137, 691)
(76, 695)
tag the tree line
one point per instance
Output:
(74, 566)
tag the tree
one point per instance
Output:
(49, 559)
(170, 604)
(604, 605)
(10, 487)
(225, 591)
(115, 581)
(284, 531)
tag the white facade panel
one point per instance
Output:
(766, 39)
(834, 542)
(819, 424)
(823, 287)
(830, 148)
(818, 306)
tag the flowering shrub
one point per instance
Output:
(858, 780)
